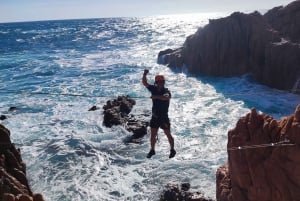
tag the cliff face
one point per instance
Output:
(14, 184)
(266, 46)
(263, 160)
(286, 20)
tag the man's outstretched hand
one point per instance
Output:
(146, 71)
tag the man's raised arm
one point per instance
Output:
(144, 79)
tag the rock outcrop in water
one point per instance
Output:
(13, 181)
(174, 192)
(182, 193)
(263, 160)
(266, 46)
(116, 112)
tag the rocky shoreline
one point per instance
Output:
(265, 46)
(117, 112)
(14, 185)
(263, 161)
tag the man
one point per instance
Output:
(161, 99)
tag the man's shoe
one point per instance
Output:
(151, 153)
(172, 153)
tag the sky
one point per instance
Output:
(35, 10)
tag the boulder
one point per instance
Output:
(263, 159)
(116, 112)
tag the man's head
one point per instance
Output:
(159, 81)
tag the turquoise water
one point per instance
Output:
(69, 154)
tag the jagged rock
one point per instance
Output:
(38, 197)
(185, 186)
(11, 109)
(267, 165)
(24, 197)
(171, 58)
(173, 192)
(4, 136)
(286, 20)
(223, 183)
(116, 112)
(3, 117)
(14, 184)
(266, 46)
(8, 197)
(93, 108)
(138, 128)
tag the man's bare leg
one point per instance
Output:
(152, 142)
(171, 142)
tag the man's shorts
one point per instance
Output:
(160, 122)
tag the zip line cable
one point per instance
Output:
(285, 142)
(103, 96)
(52, 94)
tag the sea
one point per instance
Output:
(53, 72)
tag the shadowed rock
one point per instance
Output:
(93, 108)
(174, 192)
(266, 46)
(116, 112)
(3, 117)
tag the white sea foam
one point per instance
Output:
(70, 155)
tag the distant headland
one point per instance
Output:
(266, 46)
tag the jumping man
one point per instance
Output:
(161, 99)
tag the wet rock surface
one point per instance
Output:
(182, 193)
(117, 112)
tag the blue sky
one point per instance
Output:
(32, 10)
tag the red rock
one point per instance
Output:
(223, 183)
(24, 198)
(12, 170)
(4, 136)
(8, 197)
(38, 197)
(260, 170)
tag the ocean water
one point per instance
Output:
(54, 71)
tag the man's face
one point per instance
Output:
(160, 84)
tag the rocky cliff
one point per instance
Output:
(263, 161)
(14, 185)
(266, 46)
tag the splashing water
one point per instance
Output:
(69, 154)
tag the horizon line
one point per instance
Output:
(114, 17)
